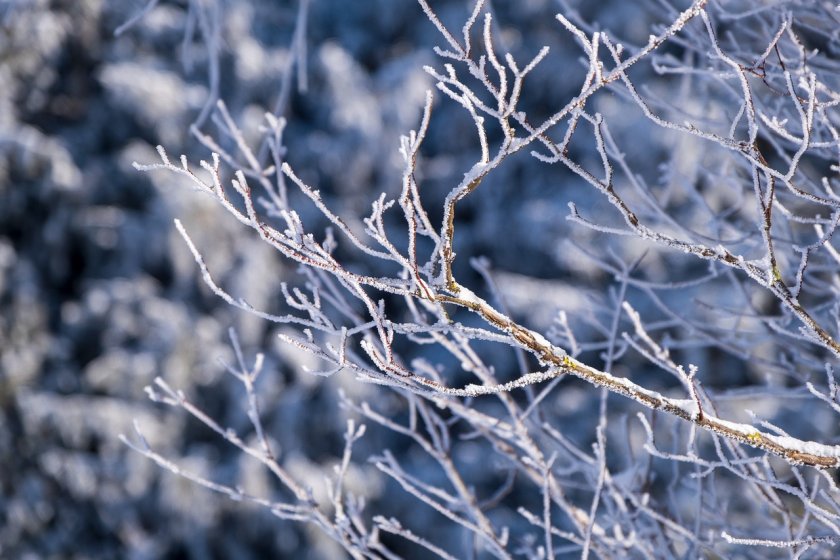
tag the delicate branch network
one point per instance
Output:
(342, 320)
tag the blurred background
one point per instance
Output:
(99, 295)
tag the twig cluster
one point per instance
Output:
(778, 142)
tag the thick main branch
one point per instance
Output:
(791, 449)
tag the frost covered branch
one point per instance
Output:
(750, 200)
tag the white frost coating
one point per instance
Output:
(744, 429)
(628, 385)
(469, 296)
(540, 339)
(686, 405)
(747, 430)
(809, 447)
(474, 173)
(473, 390)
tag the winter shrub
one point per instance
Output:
(595, 299)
